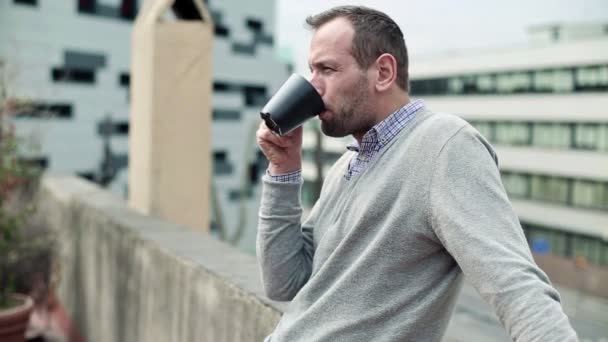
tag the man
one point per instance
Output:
(413, 205)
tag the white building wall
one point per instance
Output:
(34, 39)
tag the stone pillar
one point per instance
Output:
(170, 119)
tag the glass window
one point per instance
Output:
(486, 84)
(550, 189)
(603, 76)
(455, 85)
(225, 114)
(586, 136)
(26, 2)
(566, 79)
(513, 82)
(554, 135)
(485, 129)
(602, 137)
(589, 248)
(516, 184)
(539, 239)
(563, 81)
(559, 243)
(512, 133)
(592, 78)
(604, 200)
(589, 194)
(543, 81)
(255, 95)
(221, 164)
(604, 254)
(585, 77)
(555, 240)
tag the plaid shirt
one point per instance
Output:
(373, 142)
(379, 136)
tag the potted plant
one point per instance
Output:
(18, 251)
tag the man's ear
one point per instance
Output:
(386, 66)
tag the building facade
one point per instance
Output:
(71, 61)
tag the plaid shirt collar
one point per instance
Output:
(384, 131)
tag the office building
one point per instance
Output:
(71, 61)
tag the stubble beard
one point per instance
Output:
(353, 116)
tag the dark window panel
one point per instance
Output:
(124, 79)
(122, 128)
(186, 10)
(88, 175)
(220, 86)
(112, 128)
(257, 168)
(87, 6)
(128, 9)
(220, 156)
(107, 11)
(60, 110)
(265, 39)
(255, 95)
(529, 81)
(73, 75)
(37, 162)
(221, 165)
(222, 168)
(234, 195)
(26, 2)
(225, 86)
(46, 110)
(120, 161)
(247, 49)
(253, 173)
(255, 24)
(217, 16)
(221, 114)
(221, 30)
(83, 60)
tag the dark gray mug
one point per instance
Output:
(294, 103)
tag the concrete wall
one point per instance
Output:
(129, 277)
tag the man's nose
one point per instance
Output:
(318, 85)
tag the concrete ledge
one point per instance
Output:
(129, 277)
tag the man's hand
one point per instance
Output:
(284, 153)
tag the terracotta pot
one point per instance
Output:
(13, 321)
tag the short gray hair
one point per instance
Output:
(375, 34)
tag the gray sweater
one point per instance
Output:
(381, 257)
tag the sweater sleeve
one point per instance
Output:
(474, 220)
(284, 246)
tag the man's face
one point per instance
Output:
(340, 81)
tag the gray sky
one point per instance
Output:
(436, 26)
